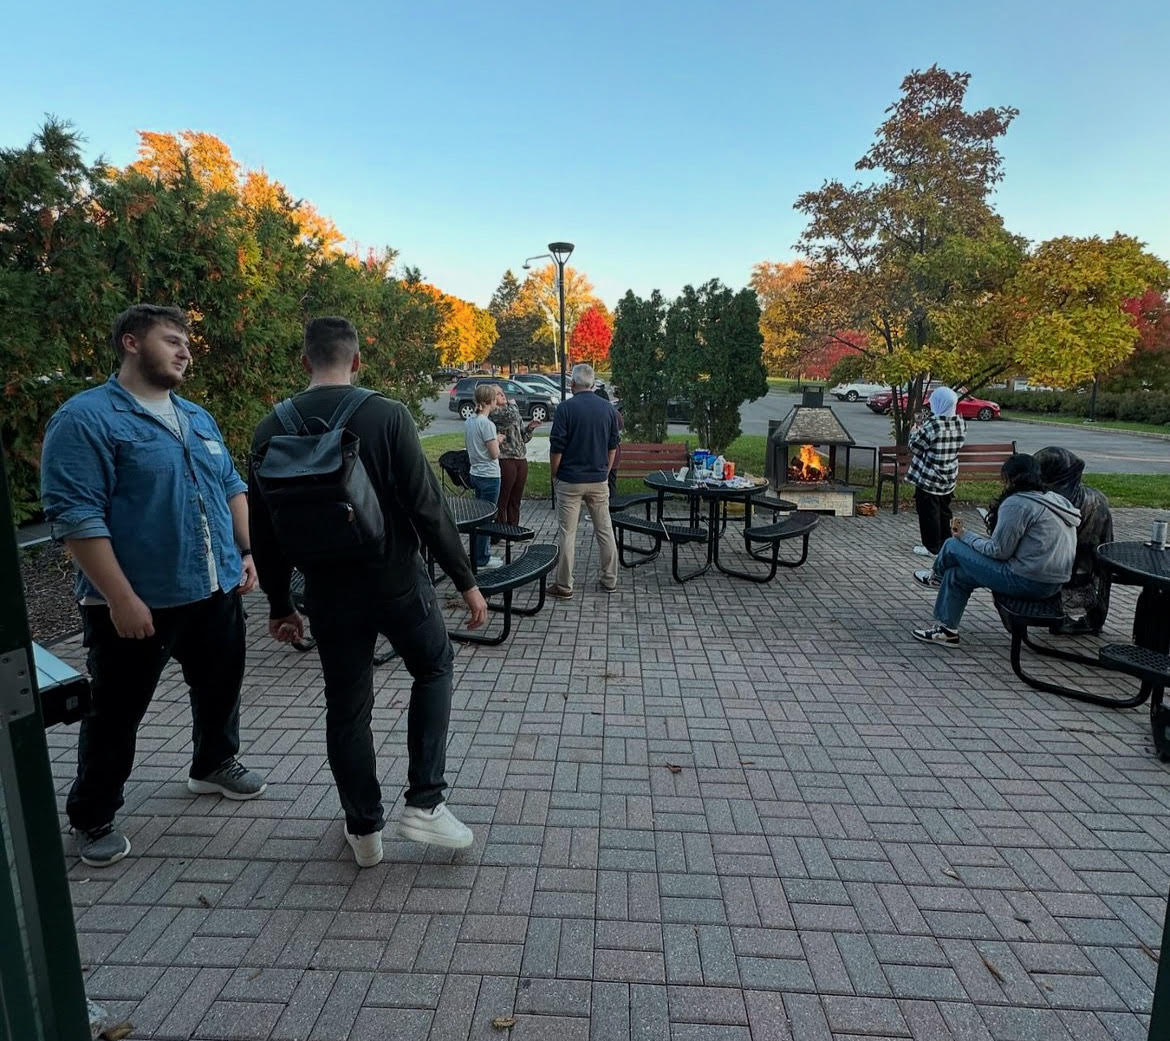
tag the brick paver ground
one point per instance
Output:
(712, 812)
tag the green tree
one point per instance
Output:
(637, 355)
(516, 329)
(715, 352)
(896, 256)
(57, 294)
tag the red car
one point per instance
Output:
(968, 407)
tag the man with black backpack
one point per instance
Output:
(340, 489)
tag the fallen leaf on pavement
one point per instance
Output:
(504, 1022)
(951, 873)
(993, 970)
(1149, 953)
(674, 768)
(118, 1032)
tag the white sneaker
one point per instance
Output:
(921, 551)
(367, 849)
(493, 562)
(439, 827)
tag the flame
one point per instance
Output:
(810, 466)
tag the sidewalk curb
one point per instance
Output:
(1149, 435)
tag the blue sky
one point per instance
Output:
(667, 140)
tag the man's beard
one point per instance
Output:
(160, 374)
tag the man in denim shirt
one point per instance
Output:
(139, 485)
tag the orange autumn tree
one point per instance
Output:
(775, 285)
(466, 332)
(166, 157)
(591, 336)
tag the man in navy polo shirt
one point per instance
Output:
(139, 485)
(582, 447)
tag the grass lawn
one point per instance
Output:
(1106, 424)
(748, 453)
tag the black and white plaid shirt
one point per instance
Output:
(934, 453)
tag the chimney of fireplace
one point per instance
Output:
(813, 397)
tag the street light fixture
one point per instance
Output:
(558, 253)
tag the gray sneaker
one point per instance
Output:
(102, 846)
(231, 779)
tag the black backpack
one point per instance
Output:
(323, 505)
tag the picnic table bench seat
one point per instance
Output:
(506, 533)
(538, 560)
(798, 525)
(1019, 615)
(658, 532)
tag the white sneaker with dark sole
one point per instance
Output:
(924, 576)
(921, 551)
(367, 849)
(436, 827)
(939, 634)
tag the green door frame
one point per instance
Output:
(42, 993)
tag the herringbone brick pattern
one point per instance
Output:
(712, 812)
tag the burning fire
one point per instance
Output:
(810, 466)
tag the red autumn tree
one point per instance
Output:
(591, 336)
(818, 359)
(1149, 365)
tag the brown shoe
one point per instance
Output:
(560, 592)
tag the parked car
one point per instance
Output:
(533, 404)
(856, 391)
(446, 375)
(539, 381)
(968, 408)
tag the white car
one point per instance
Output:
(856, 391)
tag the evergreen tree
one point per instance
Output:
(637, 357)
(516, 329)
(715, 349)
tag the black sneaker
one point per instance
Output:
(231, 779)
(102, 846)
(938, 634)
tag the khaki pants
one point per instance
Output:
(596, 499)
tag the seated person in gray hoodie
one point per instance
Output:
(1029, 554)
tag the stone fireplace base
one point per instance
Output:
(820, 498)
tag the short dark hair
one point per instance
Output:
(139, 319)
(330, 341)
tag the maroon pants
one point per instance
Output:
(513, 477)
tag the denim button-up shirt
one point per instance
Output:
(109, 469)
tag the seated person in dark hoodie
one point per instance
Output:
(1029, 554)
(1086, 595)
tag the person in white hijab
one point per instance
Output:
(934, 468)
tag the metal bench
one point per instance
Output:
(1018, 616)
(506, 533)
(533, 566)
(795, 526)
(658, 531)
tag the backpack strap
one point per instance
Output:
(289, 417)
(349, 405)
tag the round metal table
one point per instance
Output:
(717, 496)
(1140, 564)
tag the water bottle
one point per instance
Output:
(717, 471)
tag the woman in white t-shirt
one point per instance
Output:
(483, 449)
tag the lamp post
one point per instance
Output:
(558, 253)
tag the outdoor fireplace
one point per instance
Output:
(810, 456)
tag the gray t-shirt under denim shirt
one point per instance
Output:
(478, 431)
